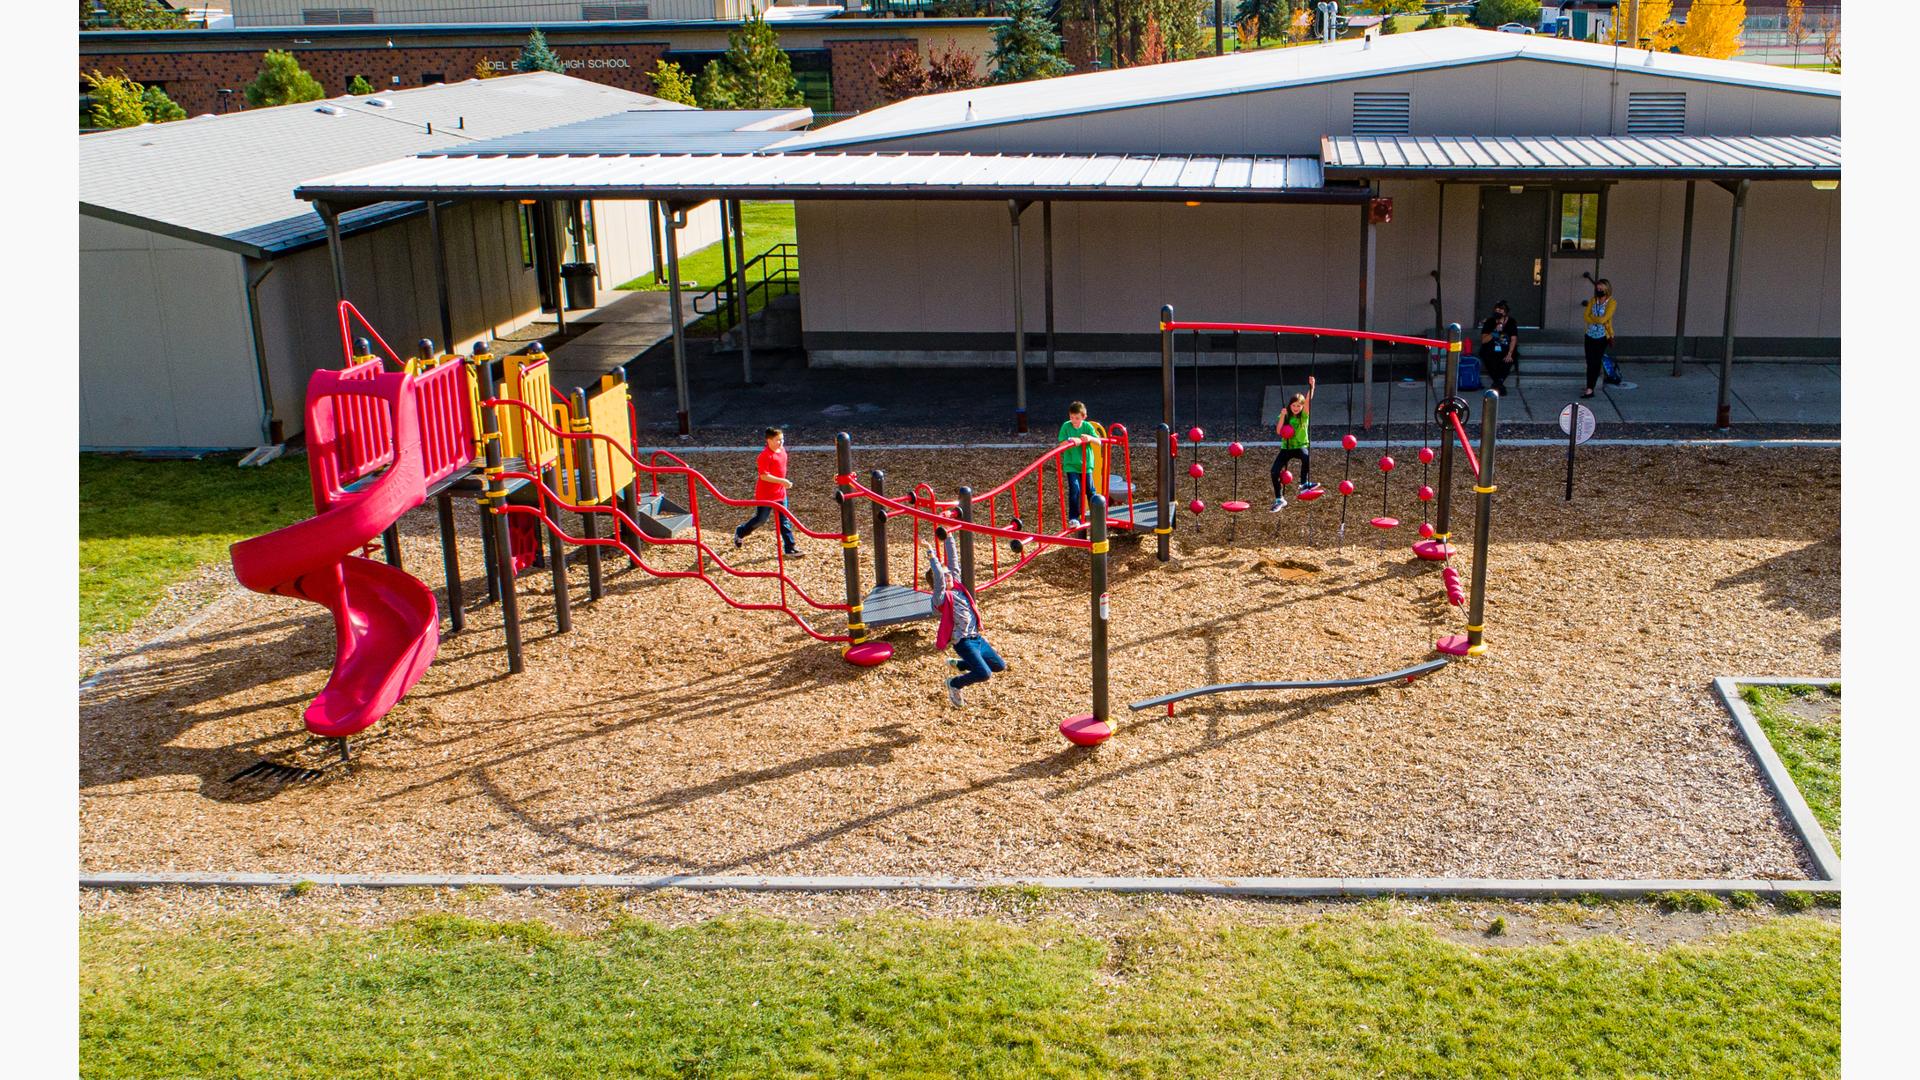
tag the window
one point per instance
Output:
(1580, 221)
(611, 12)
(526, 234)
(336, 16)
(1388, 113)
(433, 77)
(1656, 112)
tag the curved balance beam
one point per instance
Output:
(1409, 674)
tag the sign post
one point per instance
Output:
(1577, 421)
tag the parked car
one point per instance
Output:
(1515, 28)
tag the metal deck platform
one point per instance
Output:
(1146, 517)
(661, 517)
(890, 605)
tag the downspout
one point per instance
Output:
(271, 429)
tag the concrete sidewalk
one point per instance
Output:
(627, 326)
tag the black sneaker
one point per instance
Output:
(796, 553)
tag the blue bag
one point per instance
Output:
(1469, 371)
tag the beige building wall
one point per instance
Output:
(876, 274)
(166, 358)
(624, 238)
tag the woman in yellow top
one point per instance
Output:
(1599, 340)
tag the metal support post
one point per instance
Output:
(1015, 208)
(1723, 416)
(450, 563)
(850, 546)
(1686, 270)
(1166, 367)
(495, 501)
(877, 480)
(1097, 533)
(440, 273)
(746, 309)
(965, 497)
(1163, 490)
(1046, 236)
(588, 492)
(676, 220)
(1449, 388)
(1483, 518)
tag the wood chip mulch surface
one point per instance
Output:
(671, 733)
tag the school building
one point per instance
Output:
(1398, 183)
(206, 291)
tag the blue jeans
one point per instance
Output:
(977, 661)
(1075, 494)
(759, 518)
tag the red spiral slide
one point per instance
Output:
(386, 622)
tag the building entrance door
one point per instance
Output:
(1513, 252)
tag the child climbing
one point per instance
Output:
(959, 619)
(1292, 429)
(1078, 431)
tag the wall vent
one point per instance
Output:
(1656, 112)
(337, 16)
(1388, 113)
(614, 12)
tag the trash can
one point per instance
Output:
(579, 277)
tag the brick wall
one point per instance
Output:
(195, 79)
(854, 87)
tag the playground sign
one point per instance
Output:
(1577, 421)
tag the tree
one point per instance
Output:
(672, 83)
(116, 101)
(1153, 46)
(1436, 20)
(483, 69)
(900, 75)
(360, 87)
(1796, 25)
(1269, 17)
(140, 15)
(1713, 28)
(535, 56)
(1501, 12)
(282, 81)
(951, 69)
(1657, 27)
(1829, 30)
(1026, 46)
(160, 108)
(753, 74)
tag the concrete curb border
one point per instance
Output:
(1512, 888)
(1812, 834)
(1804, 823)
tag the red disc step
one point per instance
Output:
(1386, 523)
(1310, 494)
(1234, 506)
(868, 653)
(1084, 730)
(1453, 645)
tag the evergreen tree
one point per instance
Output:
(360, 87)
(142, 15)
(1026, 46)
(672, 83)
(754, 74)
(160, 108)
(536, 56)
(282, 81)
(116, 101)
(1269, 16)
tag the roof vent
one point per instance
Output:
(328, 110)
(379, 102)
(1383, 113)
(969, 111)
(1656, 112)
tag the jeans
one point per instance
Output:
(977, 661)
(759, 518)
(1075, 494)
(1596, 348)
(1280, 464)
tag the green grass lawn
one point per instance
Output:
(442, 995)
(767, 224)
(1808, 747)
(145, 525)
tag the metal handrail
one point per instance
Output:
(778, 265)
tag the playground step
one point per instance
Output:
(660, 517)
(890, 605)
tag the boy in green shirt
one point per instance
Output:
(1081, 433)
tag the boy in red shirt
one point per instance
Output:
(771, 485)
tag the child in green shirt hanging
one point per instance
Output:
(1292, 429)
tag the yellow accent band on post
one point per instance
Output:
(1441, 536)
(856, 609)
(494, 435)
(1476, 650)
(1488, 490)
(1099, 547)
(1472, 629)
(850, 542)
(1453, 346)
(1163, 530)
(856, 627)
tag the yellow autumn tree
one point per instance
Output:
(1713, 28)
(1657, 29)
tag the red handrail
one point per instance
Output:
(1321, 331)
(346, 336)
(1473, 462)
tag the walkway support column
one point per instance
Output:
(552, 254)
(725, 206)
(440, 274)
(1016, 207)
(746, 309)
(1723, 416)
(676, 220)
(1046, 236)
(335, 251)
(1367, 237)
(1686, 269)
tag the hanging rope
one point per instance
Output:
(1234, 450)
(1196, 434)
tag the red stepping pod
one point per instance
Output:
(1234, 506)
(1084, 730)
(868, 653)
(1311, 494)
(1384, 522)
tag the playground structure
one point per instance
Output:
(384, 442)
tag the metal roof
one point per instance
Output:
(839, 176)
(228, 181)
(1757, 157)
(1261, 70)
(650, 131)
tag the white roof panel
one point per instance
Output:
(1716, 157)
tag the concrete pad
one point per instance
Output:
(1659, 397)
(1788, 393)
